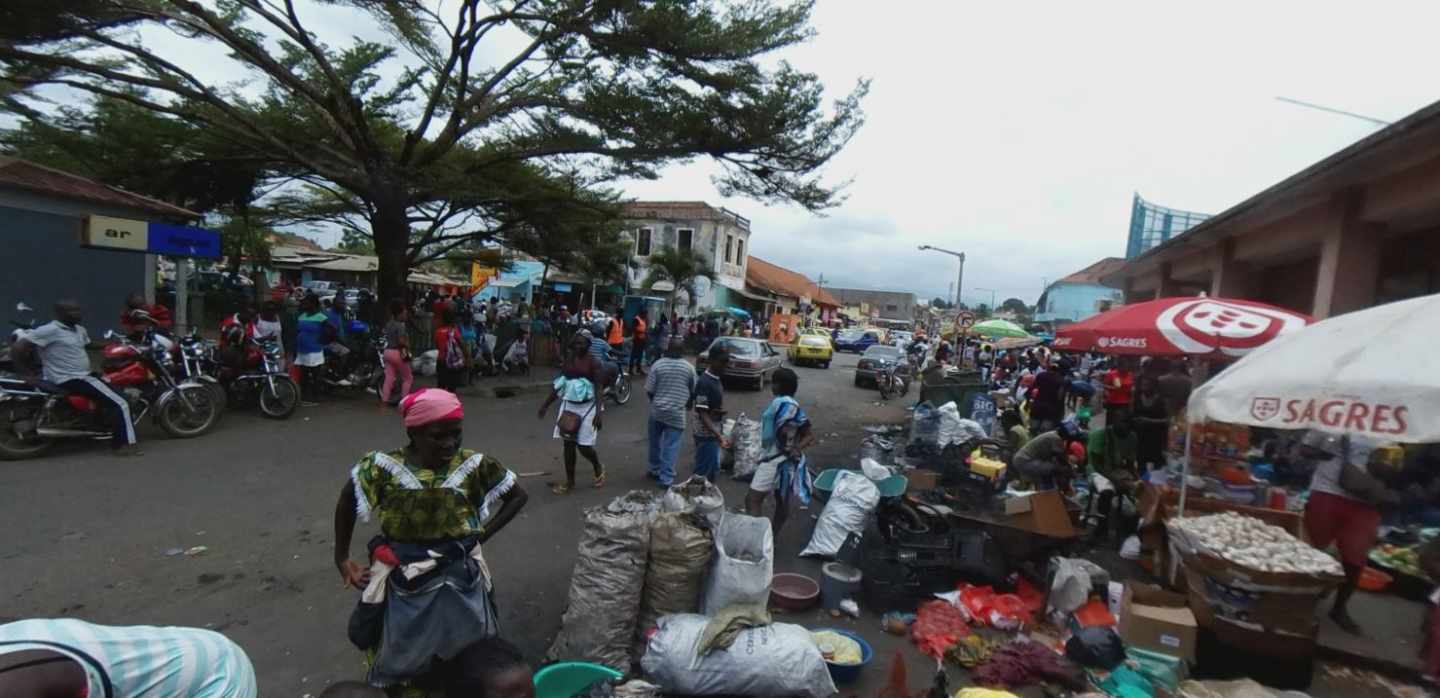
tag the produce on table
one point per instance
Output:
(1252, 543)
(1404, 559)
(1023, 662)
(838, 649)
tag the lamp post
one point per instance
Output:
(959, 279)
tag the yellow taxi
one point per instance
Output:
(812, 347)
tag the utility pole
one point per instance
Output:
(959, 278)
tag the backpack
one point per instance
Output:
(454, 351)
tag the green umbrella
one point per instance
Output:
(998, 328)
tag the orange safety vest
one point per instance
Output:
(614, 336)
(639, 328)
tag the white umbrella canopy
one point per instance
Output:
(1374, 372)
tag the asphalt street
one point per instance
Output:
(99, 538)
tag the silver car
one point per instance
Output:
(751, 360)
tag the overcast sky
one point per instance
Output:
(1018, 132)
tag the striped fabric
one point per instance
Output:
(141, 661)
(670, 385)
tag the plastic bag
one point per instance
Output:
(938, 626)
(744, 563)
(424, 364)
(854, 498)
(600, 615)
(1096, 647)
(745, 442)
(1072, 582)
(681, 547)
(874, 470)
(695, 495)
(779, 659)
(925, 425)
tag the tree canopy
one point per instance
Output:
(459, 145)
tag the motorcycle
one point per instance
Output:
(34, 414)
(266, 382)
(196, 363)
(893, 378)
(619, 388)
(360, 365)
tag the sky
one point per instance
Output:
(1018, 133)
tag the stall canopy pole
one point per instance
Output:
(1185, 466)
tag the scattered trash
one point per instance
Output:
(174, 551)
(897, 623)
(537, 473)
(198, 550)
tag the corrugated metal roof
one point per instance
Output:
(23, 174)
(777, 279)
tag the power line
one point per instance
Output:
(1341, 112)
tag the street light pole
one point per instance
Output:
(960, 278)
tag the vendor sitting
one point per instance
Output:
(1113, 470)
(1047, 461)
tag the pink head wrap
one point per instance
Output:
(430, 405)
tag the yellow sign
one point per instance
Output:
(116, 233)
(480, 277)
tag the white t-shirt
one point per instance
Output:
(1326, 477)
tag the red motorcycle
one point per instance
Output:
(35, 413)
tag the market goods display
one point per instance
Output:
(1252, 543)
(1404, 559)
(600, 615)
(744, 563)
(836, 648)
(745, 442)
(779, 659)
(854, 498)
(681, 546)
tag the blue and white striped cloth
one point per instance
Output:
(141, 661)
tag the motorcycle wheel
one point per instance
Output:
(221, 396)
(621, 392)
(182, 423)
(13, 446)
(281, 402)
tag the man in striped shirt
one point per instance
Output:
(671, 387)
(62, 656)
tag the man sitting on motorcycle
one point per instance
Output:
(150, 315)
(61, 348)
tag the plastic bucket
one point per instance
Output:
(567, 679)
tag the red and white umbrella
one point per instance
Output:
(1186, 326)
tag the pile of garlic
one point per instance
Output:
(1250, 542)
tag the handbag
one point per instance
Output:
(570, 422)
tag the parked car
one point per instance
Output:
(874, 360)
(810, 348)
(751, 360)
(856, 340)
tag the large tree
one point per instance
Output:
(680, 267)
(598, 89)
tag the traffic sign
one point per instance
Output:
(965, 318)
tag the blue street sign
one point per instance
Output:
(183, 241)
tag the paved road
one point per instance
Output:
(89, 533)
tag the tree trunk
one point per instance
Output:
(392, 249)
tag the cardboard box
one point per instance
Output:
(1157, 620)
(922, 480)
(1011, 505)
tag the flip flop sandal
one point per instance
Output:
(599, 481)
(559, 488)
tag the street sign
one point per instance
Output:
(155, 238)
